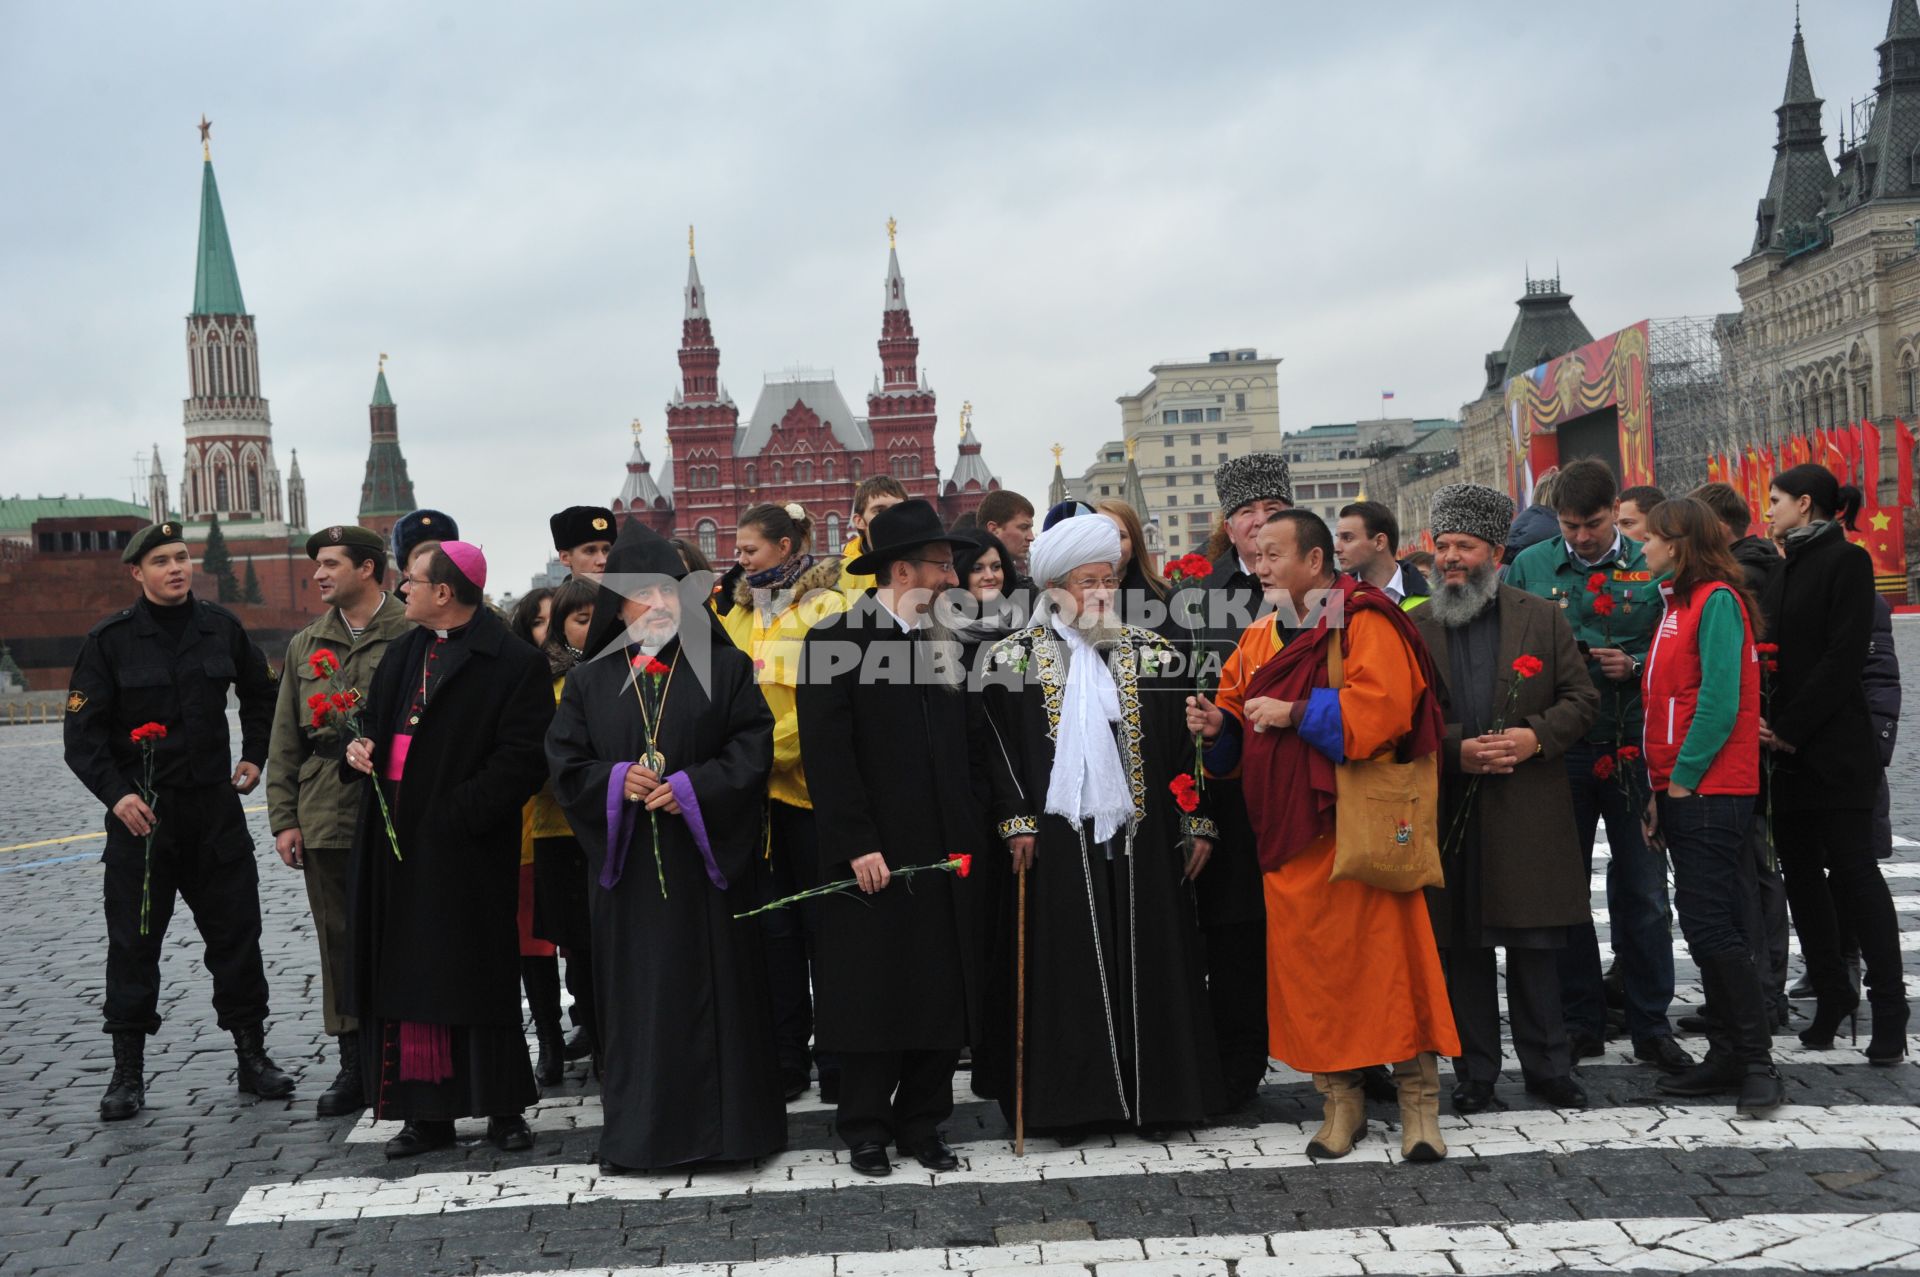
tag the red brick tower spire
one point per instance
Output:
(701, 423)
(900, 411)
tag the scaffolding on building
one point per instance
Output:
(1705, 396)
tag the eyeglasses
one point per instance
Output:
(1101, 583)
(945, 565)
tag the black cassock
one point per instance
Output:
(681, 987)
(1118, 1027)
(435, 940)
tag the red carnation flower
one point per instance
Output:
(1603, 767)
(1603, 605)
(319, 718)
(147, 732)
(1766, 649)
(316, 700)
(324, 662)
(1628, 753)
(962, 863)
(1527, 666)
(1597, 583)
(1186, 793)
(655, 668)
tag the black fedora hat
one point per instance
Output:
(897, 532)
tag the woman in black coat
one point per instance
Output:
(1826, 764)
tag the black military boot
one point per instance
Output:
(347, 1094)
(127, 1091)
(258, 1075)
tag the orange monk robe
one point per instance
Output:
(1353, 976)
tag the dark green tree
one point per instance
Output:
(250, 589)
(218, 564)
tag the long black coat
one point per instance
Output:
(682, 986)
(434, 933)
(1229, 892)
(1820, 612)
(892, 766)
(1118, 1023)
(1531, 870)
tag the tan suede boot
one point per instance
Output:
(1418, 1080)
(1346, 1114)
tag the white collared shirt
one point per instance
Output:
(904, 627)
(1613, 552)
(1396, 589)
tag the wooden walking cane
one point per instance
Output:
(1020, 1031)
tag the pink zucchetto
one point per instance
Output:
(467, 557)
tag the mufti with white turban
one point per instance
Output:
(1096, 809)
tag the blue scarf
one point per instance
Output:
(781, 575)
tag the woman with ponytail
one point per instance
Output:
(780, 592)
(1825, 765)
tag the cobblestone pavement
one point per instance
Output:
(207, 1181)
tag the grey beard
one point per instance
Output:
(1100, 635)
(1453, 605)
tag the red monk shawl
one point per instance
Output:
(1289, 785)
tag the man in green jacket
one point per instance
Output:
(1600, 580)
(312, 812)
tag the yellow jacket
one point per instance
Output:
(853, 584)
(544, 817)
(772, 637)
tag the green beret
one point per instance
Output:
(151, 538)
(346, 534)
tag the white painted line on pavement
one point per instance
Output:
(1790, 1243)
(562, 1113)
(1278, 1145)
(577, 1112)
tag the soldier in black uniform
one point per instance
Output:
(169, 659)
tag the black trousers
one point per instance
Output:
(792, 864)
(562, 916)
(1831, 871)
(1237, 995)
(894, 1096)
(1533, 1009)
(202, 853)
(1766, 909)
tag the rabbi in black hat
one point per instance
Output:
(660, 752)
(891, 746)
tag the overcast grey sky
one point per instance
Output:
(498, 196)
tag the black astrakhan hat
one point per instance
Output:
(579, 524)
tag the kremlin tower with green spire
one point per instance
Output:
(230, 471)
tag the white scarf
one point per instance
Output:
(1088, 782)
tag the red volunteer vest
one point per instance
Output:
(1671, 691)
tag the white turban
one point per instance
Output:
(1087, 538)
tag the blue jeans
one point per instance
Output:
(1642, 926)
(1707, 838)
